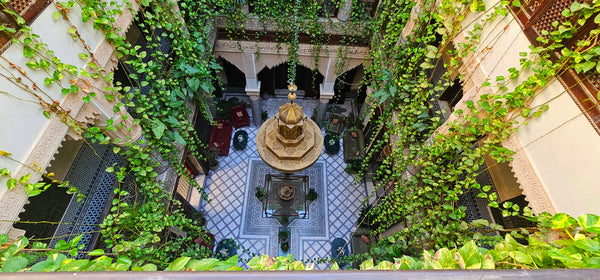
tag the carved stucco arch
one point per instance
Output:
(265, 61)
(244, 55)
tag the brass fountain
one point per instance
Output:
(289, 142)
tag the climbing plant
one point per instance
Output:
(139, 228)
(443, 165)
(428, 171)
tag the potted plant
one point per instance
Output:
(211, 158)
(240, 139)
(260, 194)
(285, 220)
(264, 116)
(283, 235)
(311, 195)
(332, 144)
(285, 246)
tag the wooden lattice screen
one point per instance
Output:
(537, 15)
(27, 9)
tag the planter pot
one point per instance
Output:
(332, 145)
(213, 165)
(240, 140)
(285, 246)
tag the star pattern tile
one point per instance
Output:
(228, 188)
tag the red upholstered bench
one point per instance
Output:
(239, 116)
(220, 136)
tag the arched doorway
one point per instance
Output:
(347, 86)
(276, 78)
(235, 80)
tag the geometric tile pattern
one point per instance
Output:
(256, 225)
(231, 186)
(87, 173)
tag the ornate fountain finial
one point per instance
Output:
(292, 95)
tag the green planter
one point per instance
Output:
(332, 145)
(240, 140)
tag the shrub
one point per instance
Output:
(311, 195)
(260, 193)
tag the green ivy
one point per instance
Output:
(580, 249)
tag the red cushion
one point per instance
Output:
(220, 136)
(239, 116)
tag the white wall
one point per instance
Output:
(22, 123)
(561, 145)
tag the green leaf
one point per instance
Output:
(202, 265)
(470, 255)
(488, 262)
(158, 128)
(4, 171)
(588, 65)
(178, 264)
(521, 257)
(52, 263)
(11, 183)
(178, 138)
(73, 265)
(480, 223)
(562, 221)
(367, 265)
(382, 95)
(97, 252)
(149, 267)
(14, 264)
(589, 223)
(477, 6)
(95, 129)
(25, 178)
(516, 3)
(83, 56)
(3, 238)
(588, 245)
(57, 75)
(28, 51)
(56, 15)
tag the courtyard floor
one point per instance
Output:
(234, 212)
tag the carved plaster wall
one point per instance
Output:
(55, 131)
(252, 57)
(474, 76)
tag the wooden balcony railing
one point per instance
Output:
(536, 16)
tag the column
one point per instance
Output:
(345, 11)
(326, 94)
(365, 107)
(253, 91)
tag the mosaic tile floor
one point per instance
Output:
(234, 212)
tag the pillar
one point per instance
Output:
(366, 107)
(253, 91)
(326, 94)
(345, 11)
(256, 110)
